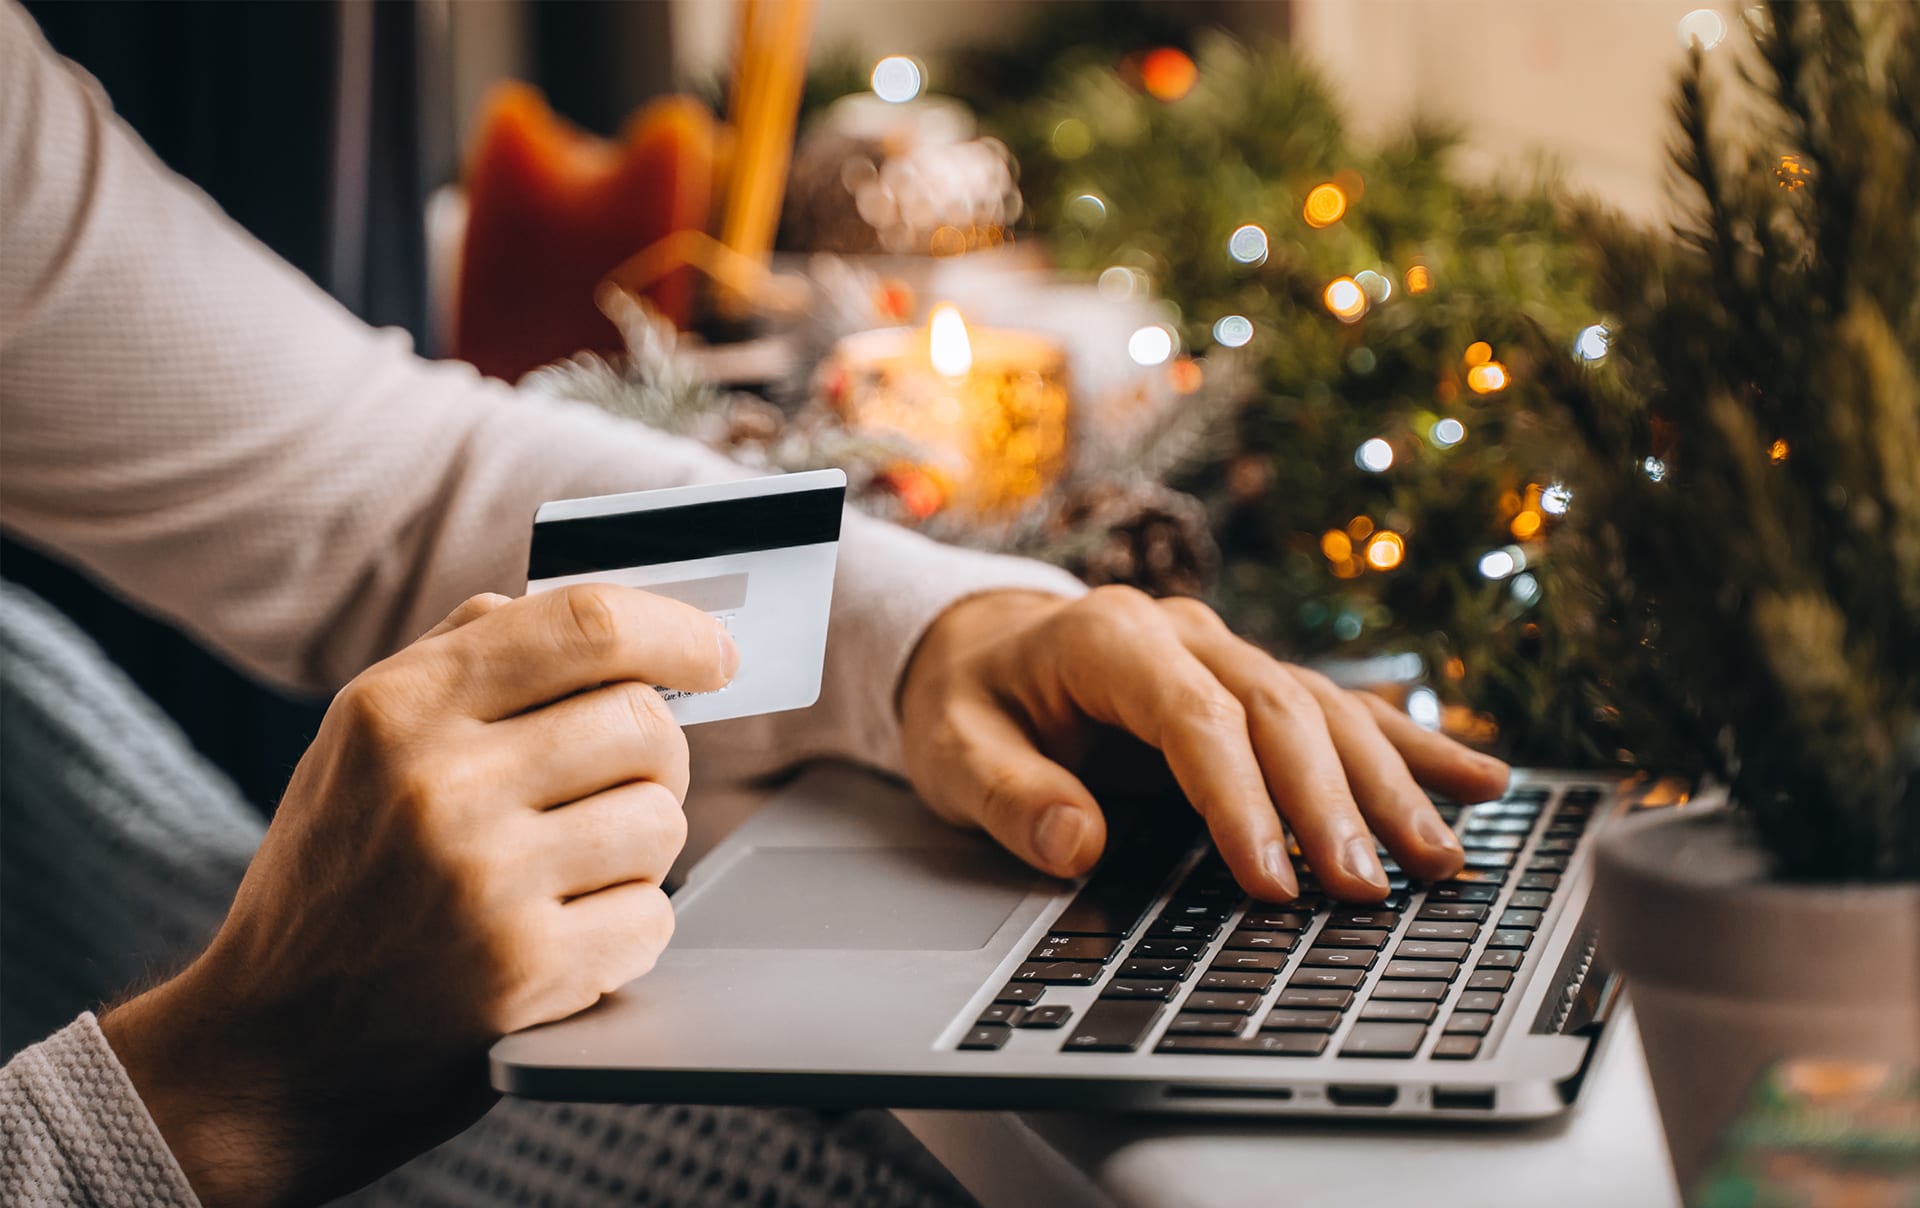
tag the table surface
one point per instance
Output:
(1606, 1152)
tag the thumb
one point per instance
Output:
(990, 774)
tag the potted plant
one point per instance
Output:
(1748, 486)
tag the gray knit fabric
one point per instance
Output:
(120, 848)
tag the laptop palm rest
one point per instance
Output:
(854, 899)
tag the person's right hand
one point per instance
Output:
(473, 844)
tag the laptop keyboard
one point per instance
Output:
(1424, 972)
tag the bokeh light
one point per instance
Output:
(1336, 545)
(1088, 210)
(896, 78)
(1419, 279)
(1526, 589)
(1423, 706)
(1376, 287)
(1526, 524)
(1654, 469)
(1118, 281)
(1326, 204)
(1233, 331)
(1478, 353)
(1167, 74)
(1071, 139)
(1704, 26)
(1498, 564)
(1555, 499)
(1150, 345)
(1489, 378)
(1592, 342)
(1385, 551)
(1374, 456)
(1447, 433)
(1248, 245)
(1778, 451)
(1345, 299)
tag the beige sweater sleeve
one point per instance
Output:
(204, 430)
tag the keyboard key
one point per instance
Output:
(1469, 1023)
(1512, 938)
(1349, 937)
(1214, 1001)
(1480, 876)
(1339, 979)
(1119, 893)
(1045, 1017)
(1059, 973)
(1489, 979)
(1114, 1025)
(1421, 929)
(1411, 991)
(1448, 891)
(1539, 880)
(1453, 912)
(1549, 863)
(1499, 825)
(1206, 1025)
(1529, 899)
(1019, 992)
(1173, 929)
(1456, 1048)
(1289, 1019)
(1500, 958)
(1261, 941)
(1445, 971)
(1480, 1000)
(1399, 1010)
(1480, 840)
(1075, 948)
(1526, 920)
(1275, 918)
(1339, 958)
(1000, 1012)
(986, 1036)
(1383, 1040)
(1158, 991)
(1555, 845)
(1431, 950)
(1197, 912)
(1250, 962)
(1490, 859)
(1219, 979)
(1315, 997)
(1261, 1044)
(1175, 950)
(1154, 970)
(1364, 919)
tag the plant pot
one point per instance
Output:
(1729, 970)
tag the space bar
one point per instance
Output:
(1119, 892)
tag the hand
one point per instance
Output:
(1011, 693)
(473, 844)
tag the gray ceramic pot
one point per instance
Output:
(1729, 970)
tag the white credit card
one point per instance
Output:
(757, 554)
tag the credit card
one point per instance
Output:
(757, 554)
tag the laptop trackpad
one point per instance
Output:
(868, 898)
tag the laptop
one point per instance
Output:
(846, 948)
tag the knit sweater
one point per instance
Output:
(206, 432)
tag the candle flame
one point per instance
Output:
(947, 342)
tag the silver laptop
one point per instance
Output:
(846, 948)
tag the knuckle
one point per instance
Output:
(1120, 598)
(1210, 705)
(1192, 612)
(641, 709)
(591, 623)
(1281, 697)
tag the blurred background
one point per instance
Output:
(1233, 193)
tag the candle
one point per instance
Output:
(551, 209)
(988, 408)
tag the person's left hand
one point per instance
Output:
(1010, 694)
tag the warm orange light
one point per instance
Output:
(1792, 173)
(1488, 378)
(1419, 280)
(1167, 74)
(1345, 299)
(1359, 527)
(1526, 524)
(1479, 352)
(1385, 551)
(1186, 375)
(1335, 545)
(1778, 452)
(1325, 205)
(1456, 668)
(947, 343)
(1347, 568)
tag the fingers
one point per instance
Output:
(542, 647)
(578, 746)
(1124, 665)
(1396, 809)
(1435, 760)
(618, 932)
(986, 771)
(471, 608)
(630, 833)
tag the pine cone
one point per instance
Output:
(1146, 536)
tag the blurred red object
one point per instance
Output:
(551, 209)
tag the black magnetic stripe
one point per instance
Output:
(698, 530)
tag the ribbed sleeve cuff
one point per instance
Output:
(76, 1130)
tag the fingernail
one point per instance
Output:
(1362, 863)
(1435, 833)
(729, 652)
(1279, 868)
(1056, 839)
